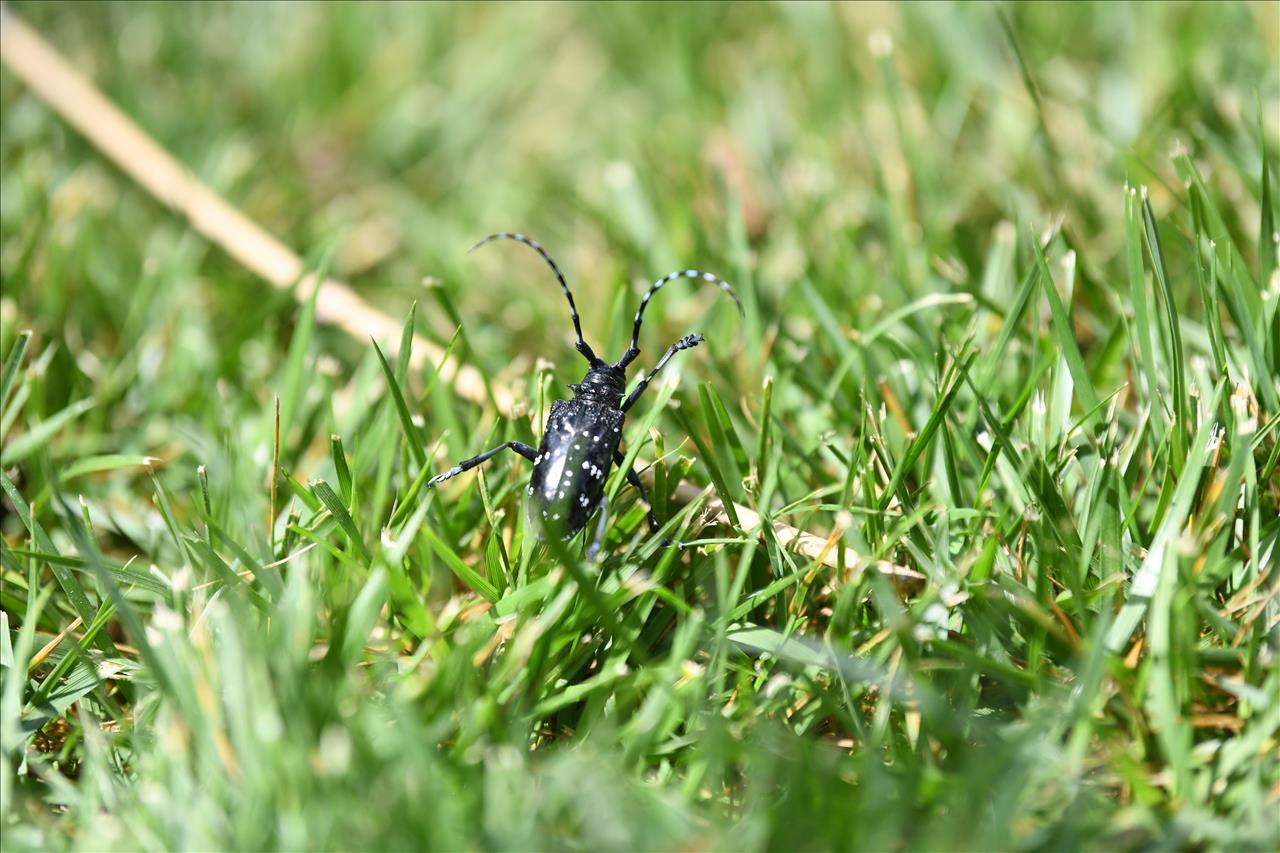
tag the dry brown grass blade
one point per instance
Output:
(802, 542)
(40, 656)
(143, 159)
(140, 157)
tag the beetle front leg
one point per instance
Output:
(520, 447)
(687, 342)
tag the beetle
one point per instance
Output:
(581, 437)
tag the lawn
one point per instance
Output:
(978, 496)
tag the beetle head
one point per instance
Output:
(604, 384)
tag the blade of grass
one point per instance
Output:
(327, 496)
(1064, 333)
(468, 575)
(39, 435)
(411, 434)
(1181, 428)
(1147, 578)
(12, 363)
(66, 579)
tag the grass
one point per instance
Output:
(1011, 323)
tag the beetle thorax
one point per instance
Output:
(603, 384)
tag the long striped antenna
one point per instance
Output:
(698, 275)
(582, 345)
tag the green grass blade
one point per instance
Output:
(1173, 329)
(39, 435)
(105, 462)
(327, 496)
(468, 575)
(66, 579)
(12, 363)
(412, 437)
(1147, 578)
(1064, 333)
(293, 388)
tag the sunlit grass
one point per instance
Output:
(1011, 345)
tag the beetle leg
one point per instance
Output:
(601, 523)
(520, 447)
(687, 342)
(634, 479)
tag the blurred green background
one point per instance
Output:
(874, 179)
(633, 139)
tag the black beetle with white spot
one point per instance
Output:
(580, 442)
